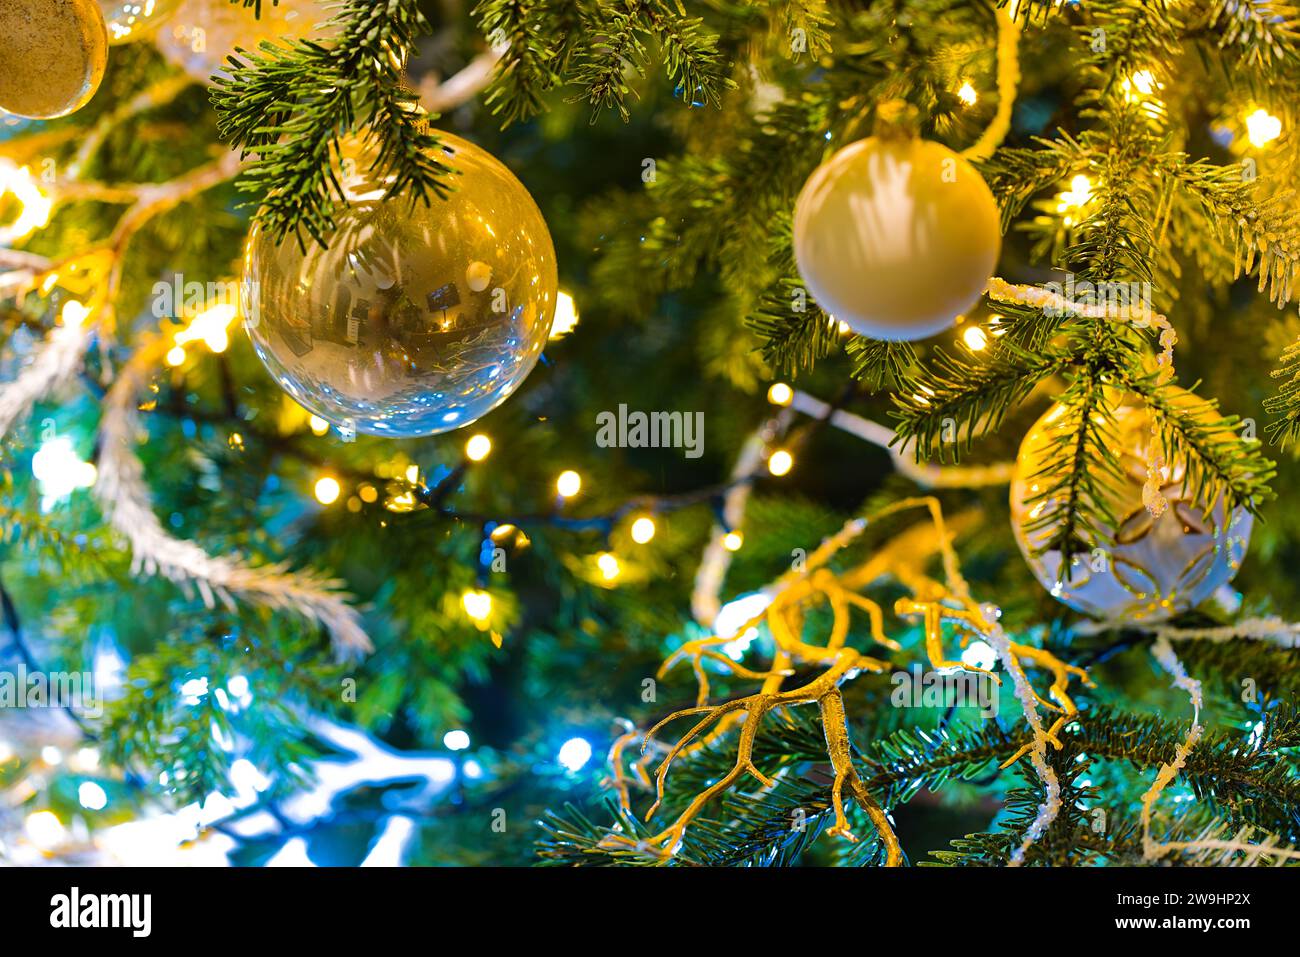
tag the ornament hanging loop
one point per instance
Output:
(896, 120)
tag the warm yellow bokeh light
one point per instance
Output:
(780, 462)
(1262, 128)
(1140, 84)
(643, 529)
(318, 425)
(780, 394)
(967, 94)
(732, 541)
(566, 316)
(975, 338)
(34, 206)
(609, 566)
(210, 326)
(568, 484)
(477, 604)
(74, 314)
(478, 447)
(327, 490)
(1078, 194)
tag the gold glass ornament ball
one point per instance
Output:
(129, 20)
(896, 237)
(413, 319)
(52, 56)
(1157, 566)
(203, 33)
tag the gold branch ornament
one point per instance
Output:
(1008, 80)
(935, 602)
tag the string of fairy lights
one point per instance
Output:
(639, 514)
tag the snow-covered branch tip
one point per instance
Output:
(53, 365)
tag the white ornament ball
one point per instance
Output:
(1156, 567)
(413, 319)
(896, 237)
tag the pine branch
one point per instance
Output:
(1058, 845)
(1246, 775)
(1017, 175)
(1260, 35)
(1078, 475)
(124, 497)
(953, 401)
(795, 332)
(1117, 241)
(879, 364)
(527, 69)
(594, 45)
(602, 66)
(35, 533)
(1286, 403)
(690, 51)
(1219, 462)
(290, 106)
(54, 364)
(809, 19)
(1264, 230)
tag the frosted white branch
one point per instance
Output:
(927, 476)
(1164, 654)
(1051, 806)
(716, 560)
(1284, 634)
(462, 87)
(124, 497)
(1274, 630)
(1153, 850)
(17, 269)
(56, 361)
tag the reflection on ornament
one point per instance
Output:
(52, 56)
(896, 237)
(129, 20)
(1157, 566)
(414, 319)
(204, 32)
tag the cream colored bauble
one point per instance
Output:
(134, 19)
(1156, 566)
(52, 56)
(203, 33)
(896, 237)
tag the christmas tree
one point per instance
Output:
(637, 432)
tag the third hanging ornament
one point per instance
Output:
(1158, 564)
